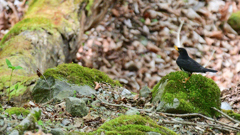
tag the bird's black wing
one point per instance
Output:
(190, 65)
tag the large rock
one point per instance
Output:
(58, 90)
(198, 95)
(67, 79)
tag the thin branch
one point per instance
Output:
(219, 127)
(200, 115)
(230, 118)
(122, 105)
(4, 126)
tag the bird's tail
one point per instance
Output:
(209, 70)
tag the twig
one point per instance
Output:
(122, 105)
(200, 115)
(219, 127)
(179, 44)
(230, 118)
(189, 115)
(4, 126)
(47, 102)
(209, 59)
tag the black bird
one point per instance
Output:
(189, 65)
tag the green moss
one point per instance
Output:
(134, 125)
(36, 23)
(1, 109)
(17, 111)
(199, 94)
(15, 45)
(89, 6)
(234, 21)
(232, 114)
(77, 74)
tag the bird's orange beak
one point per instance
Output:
(176, 47)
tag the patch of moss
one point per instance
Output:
(199, 94)
(33, 118)
(234, 21)
(17, 111)
(232, 114)
(132, 124)
(89, 6)
(77, 74)
(15, 45)
(35, 23)
(1, 109)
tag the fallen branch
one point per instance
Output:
(122, 105)
(216, 126)
(4, 126)
(230, 118)
(200, 115)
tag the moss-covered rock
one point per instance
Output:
(234, 21)
(132, 125)
(67, 79)
(197, 95)
(76, 74)
(17, 111)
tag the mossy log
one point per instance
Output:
(49, 34)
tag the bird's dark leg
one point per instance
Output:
(186, 79)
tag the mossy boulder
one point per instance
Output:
(66, 80)
(234, 21)
(17, 111)
(132, 125)
(197, 95)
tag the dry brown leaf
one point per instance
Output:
(209, 41)
(97, 85)
(216, 34)
(224, 12)
(115, 12)
(136, 97)
(88, 117)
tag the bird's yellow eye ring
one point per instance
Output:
(176, 47)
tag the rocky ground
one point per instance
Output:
(108, 103)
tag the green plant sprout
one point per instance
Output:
(9, 64)
(74, 93)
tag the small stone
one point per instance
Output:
(65, 122)
(14, 132)
(57, 131)
(76, 107)
(145, 92)
(132, 66)
(226, 106)
(132, 112)
(126, 92)
(153, 133)
(147, 21)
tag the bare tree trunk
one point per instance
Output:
(49, 34)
